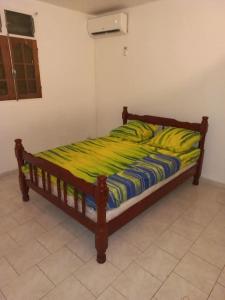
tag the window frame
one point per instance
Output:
(7, 21)
(7, 44)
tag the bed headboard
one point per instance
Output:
(201, 127)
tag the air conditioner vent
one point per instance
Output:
(108, 25)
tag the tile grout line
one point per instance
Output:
(54, 285)
(189, 249)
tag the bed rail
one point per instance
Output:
(40, 173)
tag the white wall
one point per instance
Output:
(67, 111)
(175, 67)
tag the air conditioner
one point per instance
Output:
(108, 25)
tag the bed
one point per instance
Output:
(98, 201)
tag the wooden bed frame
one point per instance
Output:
(101, 228)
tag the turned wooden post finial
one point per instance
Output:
(205, 123)
(18, 148)
(125, 114)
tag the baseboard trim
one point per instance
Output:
(213, 182)
(8, 173)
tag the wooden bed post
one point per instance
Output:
(19, 149)
(101, 234)
(125, 115)
(203, 131)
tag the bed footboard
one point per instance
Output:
(41, 171)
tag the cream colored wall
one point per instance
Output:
(67, 111)
(175, 67)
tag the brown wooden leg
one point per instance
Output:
(101, 234)
(197, 174)
(196, 180)
(101, 245)
(24, 188)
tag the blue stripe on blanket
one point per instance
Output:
(140, 175)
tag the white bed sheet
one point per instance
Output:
(111, 214)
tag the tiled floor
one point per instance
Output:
(173, 251)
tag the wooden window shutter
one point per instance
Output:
(25, 64)
(7, 88)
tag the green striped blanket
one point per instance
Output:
(112, 156)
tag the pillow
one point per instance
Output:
(135, 131)
(176, 139)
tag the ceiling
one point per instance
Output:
(96, 6)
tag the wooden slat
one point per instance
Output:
(59, 189)
(49, 183)
(61, 173)
(83, 204)
(35, 176)
(69, 210)
(31, 173)
(65, 192)
(43, 179)
(75, 197)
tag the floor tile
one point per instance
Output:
(187, 228)
(74, 227)
(111, 294)
(7, 206)
(83, 246)
(215, 232)
(198, 272)
(221, 279)
(39, 201)
(176, 288)
(7, 223)
(165, 233)
(164, 213)
(26, 232)
(202, 213)
(96, 277)
(140, 238)
(220, 197)
(155, 226)
(24, 257)
(51, 217)
(218, 293)
(7, 273)
(70, 289)
(210, 251)
(60, 265)
(174, 243)
(31, 285)
(158, 262)
(6, 244)
(135, 283)
(120, 253)
(26, 213)
(55, 238)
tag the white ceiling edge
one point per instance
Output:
(94, 7)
